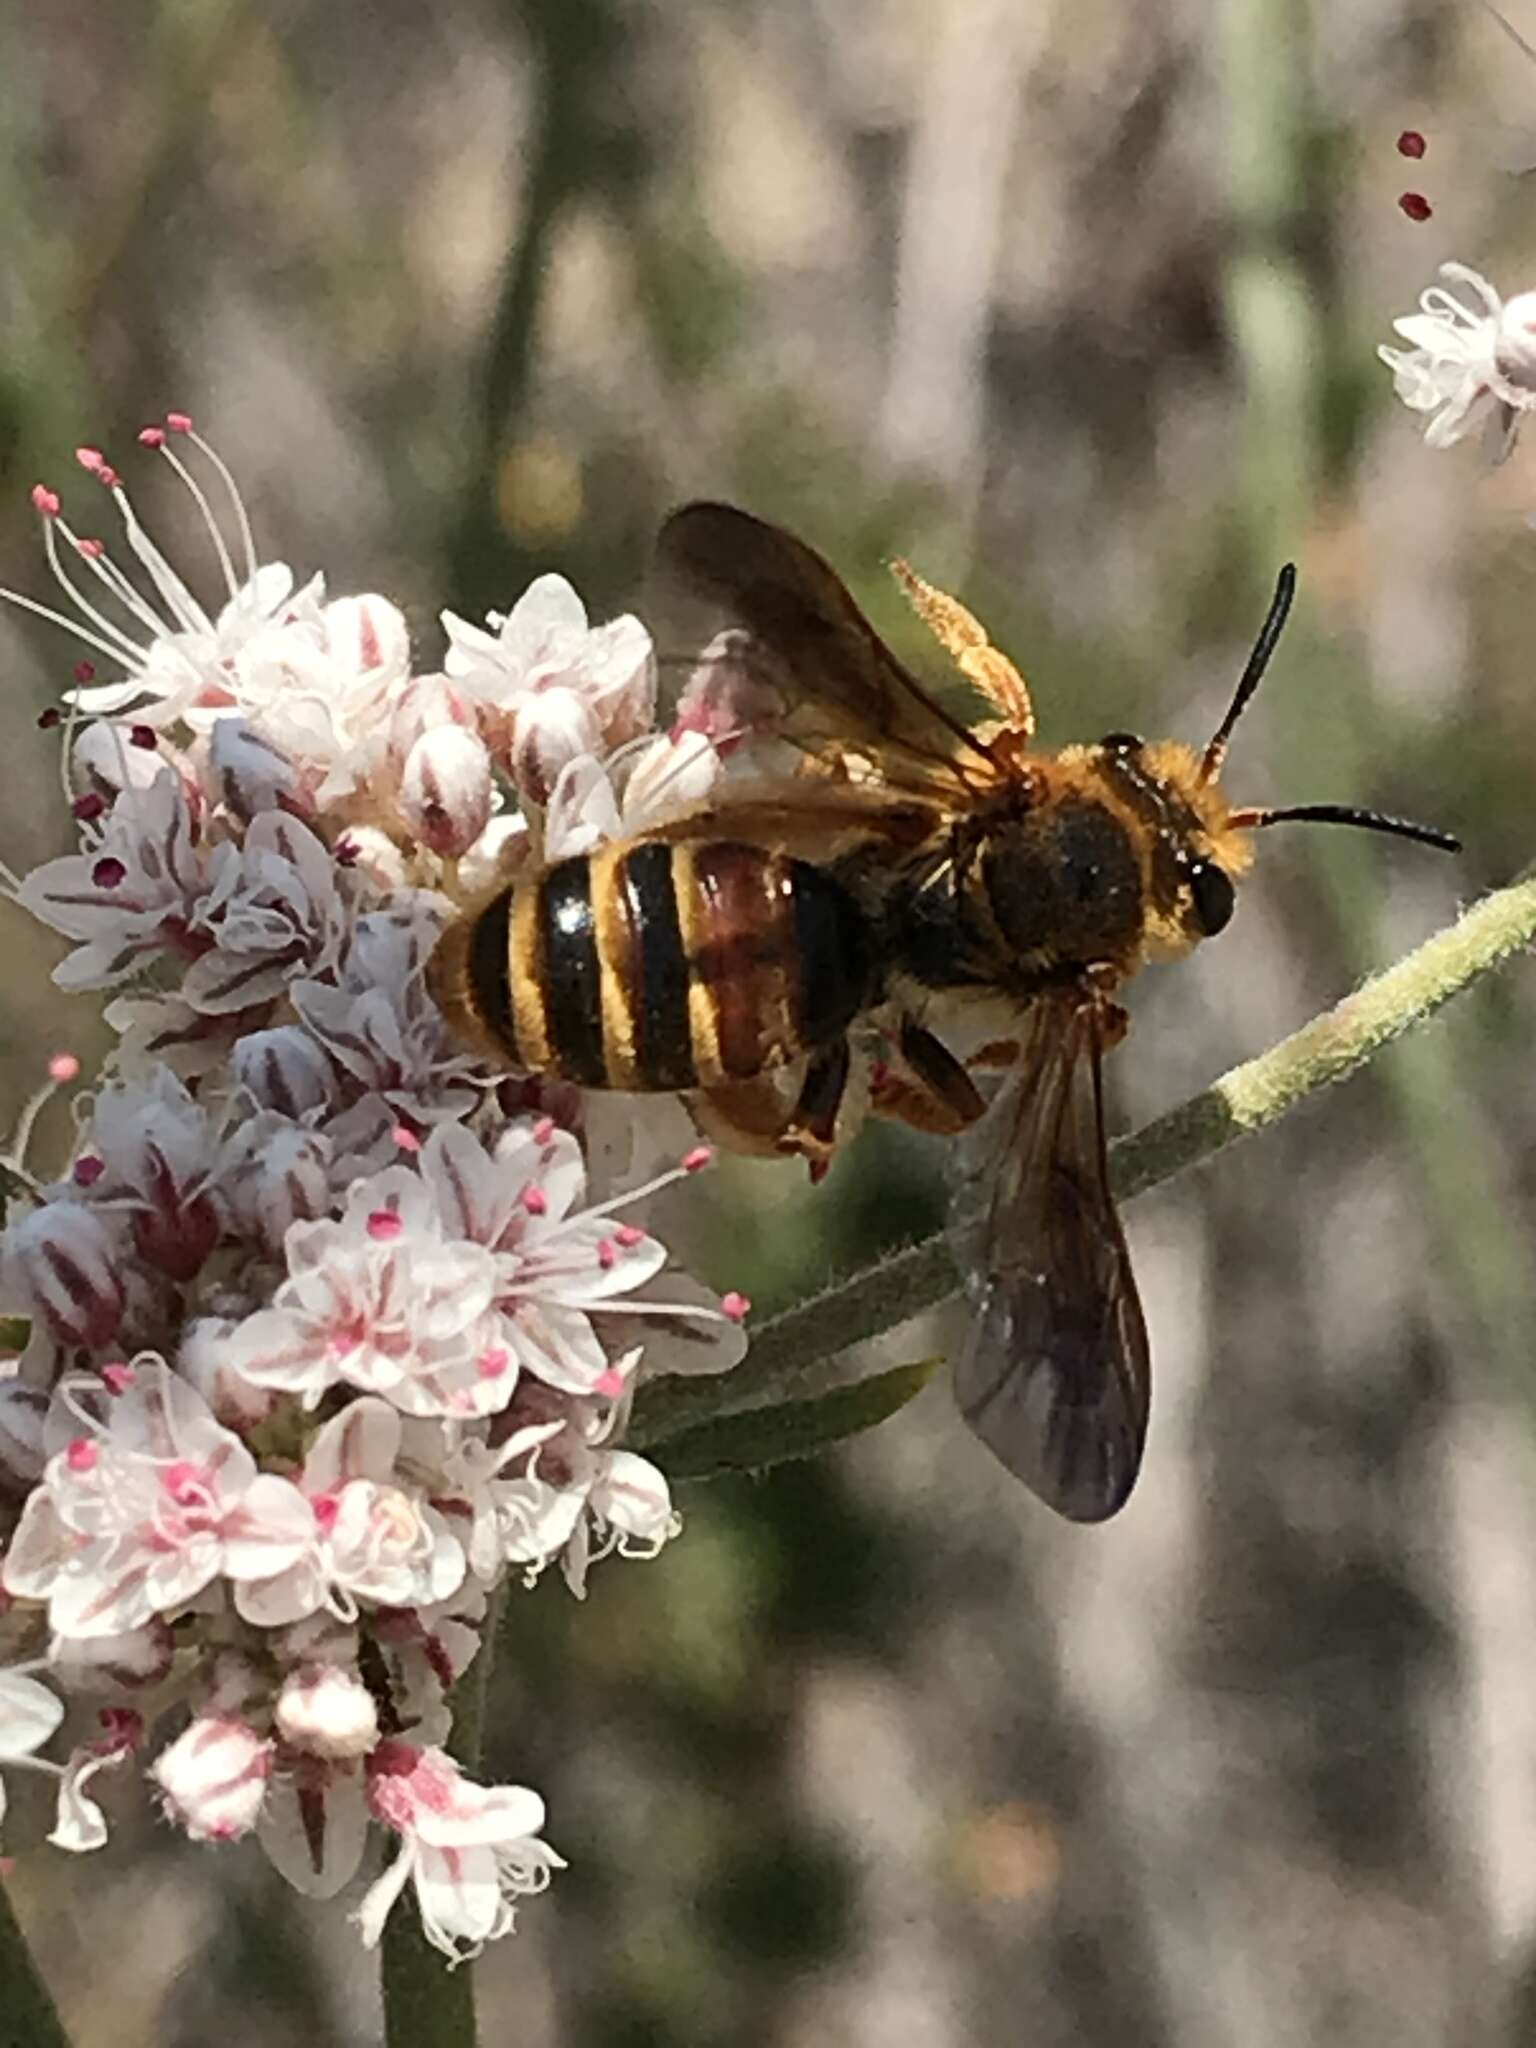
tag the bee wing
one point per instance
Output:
(839, 681)
(1054, 1376)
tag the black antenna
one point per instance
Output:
(1346, 814)
(1253, 673)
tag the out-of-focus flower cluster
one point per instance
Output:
(1471, 365)
(331, 1328)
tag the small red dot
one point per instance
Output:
(1415, 205)
(1411, 143)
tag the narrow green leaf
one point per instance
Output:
(760, 1437)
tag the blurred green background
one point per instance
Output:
(1074, 303)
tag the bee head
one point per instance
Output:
(1199, 843)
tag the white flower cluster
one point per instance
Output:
(331, 1329)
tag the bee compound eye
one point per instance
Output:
(1213, 895)
(1121, 742)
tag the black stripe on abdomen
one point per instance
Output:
(569, 972)
(838, 970)
(658, 970)
(490, 975)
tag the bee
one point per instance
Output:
(914, 868)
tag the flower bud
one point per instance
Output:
(203, 1361)
(732, 691)
(367, 633)
(552, 727)
(249, 772)
(668, 776)
(326, 1710)
(374, 854)
(106, 757)
(445, 789)
(284, 1069)
(426, 703)
(214, 1777)
(277, 1174)
(70, 1264)
(121, 1663)
(175, 1231)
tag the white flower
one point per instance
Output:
(157, 1148)
(319, 688)
(381, 1300)
(656, 779)
(214, 1777)
(553, 687)
(469, 1849)
(147, 1502)
(581, 1498)
(556, 1264)
(365, 1539)
(172, 652)
(381, 1026)
(1464, 360)
(130, 894)
(274, 910)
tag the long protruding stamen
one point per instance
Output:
(106, 572)
(180, 423)
(62, 1069)
(174, 594)
(154, 437)
(1253, 672)
(122, 648)
(1254, 819)
(691, 1163)
(46, 611)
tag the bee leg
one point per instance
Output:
(926, 1086)
(812, 1128)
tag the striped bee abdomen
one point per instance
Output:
(653, 964)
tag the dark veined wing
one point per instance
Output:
(1054, 1375)
(840, 682)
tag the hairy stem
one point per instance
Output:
(791, 1354)
(28, 2016)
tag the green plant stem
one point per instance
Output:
(427, 2004)
(791, 1355)
(28, 2016)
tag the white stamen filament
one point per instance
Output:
(242, 518)
(177, 597)
(206, 510)
(68, 625)
(130, 651)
